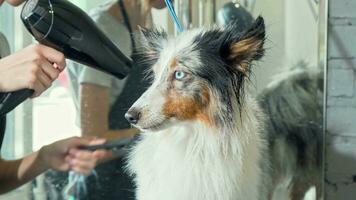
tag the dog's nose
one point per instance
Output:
(132, 116)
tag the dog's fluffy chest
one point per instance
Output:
(179, 164)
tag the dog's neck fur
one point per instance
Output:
(195, 162)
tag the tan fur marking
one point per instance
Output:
(187, 108)
(244, 48)
(205, 118)
(173, 64)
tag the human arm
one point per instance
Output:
(94, 103)
(63, 155)
(10, 176)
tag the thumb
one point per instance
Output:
(79, 141)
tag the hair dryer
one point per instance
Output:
(66, 28)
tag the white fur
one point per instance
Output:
(191, 161)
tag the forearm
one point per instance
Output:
(94, 109)
(18, 172)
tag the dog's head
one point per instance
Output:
(198, 75)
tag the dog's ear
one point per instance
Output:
(152, 39)
(150, 45)
(241, 48)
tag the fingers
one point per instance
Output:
(76, 142)
(49, 70)
(26, 69)
(58, 68)
(38, 87)
(87, 140)
(43, 75)
(53, 56)
(81, 161)
(102, 154)
(81, 154)
(44, 83)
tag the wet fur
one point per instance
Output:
(201, 136)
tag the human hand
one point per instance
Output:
(13, 2)
(34, 67)
(65, 155)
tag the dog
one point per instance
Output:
(293, 106)
(201, 130)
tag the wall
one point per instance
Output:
(292, 35)
(340, 168)
(274, 61)
(301, 29)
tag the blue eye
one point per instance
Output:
(179, 75)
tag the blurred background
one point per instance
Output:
(292, 36)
